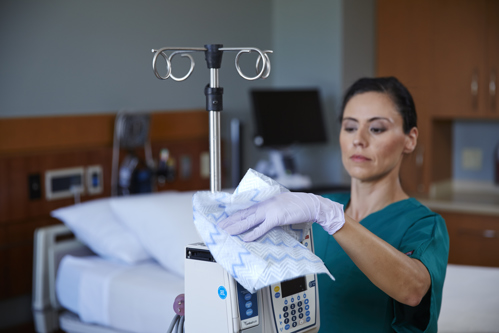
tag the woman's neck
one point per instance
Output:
(368, 197)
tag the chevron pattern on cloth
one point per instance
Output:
(276, 256)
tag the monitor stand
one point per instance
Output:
(284, 166)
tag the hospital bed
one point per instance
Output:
(78, 291)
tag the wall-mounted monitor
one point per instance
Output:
(284, 117)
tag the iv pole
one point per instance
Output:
(213, 91)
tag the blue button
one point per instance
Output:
(304, 295)
(280, 316)
(222, 292)
(306, 301)
(306, 244)
(249, 312)
(286, 327)
(292, 299)
(307, 307)
(285, 302)
(307, 313)
(247, 297)
(298, 298)
(248, 305)
(308, 319)
(277, 295)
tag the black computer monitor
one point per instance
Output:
(285, 117)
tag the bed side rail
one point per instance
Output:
(51, 244)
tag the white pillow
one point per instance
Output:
(163, 222)
(94, 224)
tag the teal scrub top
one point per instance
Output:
(352, 303)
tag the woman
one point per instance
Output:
(387, 251)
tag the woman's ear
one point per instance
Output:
(411, 140)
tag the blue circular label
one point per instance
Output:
(247, 296)
(222, 292)
(249, 312)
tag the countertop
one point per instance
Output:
(463, 197)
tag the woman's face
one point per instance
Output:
(372, 138)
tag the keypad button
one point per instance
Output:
(292, 300)
(287, 327)
(304, 295)
(286, 314)
(295, 324)
(300, 303)
(285, 309)
(286, 302)
(293, 312)
(300, 315)
(307, 313)
(300, 310)
(307, 307)
(306, 301)
(293, 318)
(292, 306)
(277, 295)
(286, 320)
(308, 319)
(298, 298)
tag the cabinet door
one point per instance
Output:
(460, 59)
(474, 239)
(491, 75)
(404, 36)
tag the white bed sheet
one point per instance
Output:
(135, 298)
(470, 300)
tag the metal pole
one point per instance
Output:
(215, 147)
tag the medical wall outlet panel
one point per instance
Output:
(64, 183)
(94, 181)
(215, 302)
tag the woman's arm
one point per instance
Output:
(403, 278)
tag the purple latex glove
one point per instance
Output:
(285, 208)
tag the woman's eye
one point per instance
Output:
(349, 129)
(377, 130)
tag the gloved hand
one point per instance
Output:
(285, 208)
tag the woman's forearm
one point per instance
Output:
(404, 279)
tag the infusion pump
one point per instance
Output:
(215, 302)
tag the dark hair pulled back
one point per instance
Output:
(394, 89)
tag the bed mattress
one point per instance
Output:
(132, 298)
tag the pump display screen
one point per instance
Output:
(294, 286)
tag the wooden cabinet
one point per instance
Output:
(464, 45)
(474, 239)
(446, 52)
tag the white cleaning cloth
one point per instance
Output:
(276, 256)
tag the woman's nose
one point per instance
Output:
(360, 138)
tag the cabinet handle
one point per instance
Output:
(492, 90)
(474, 89)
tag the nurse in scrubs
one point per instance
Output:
(386, 250)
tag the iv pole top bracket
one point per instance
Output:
(213, 55)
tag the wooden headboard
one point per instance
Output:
(35, 145)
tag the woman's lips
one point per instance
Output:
(359, 158)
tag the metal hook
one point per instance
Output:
(264, 62)
(168, 64)
(267, 71)
(190, 69)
